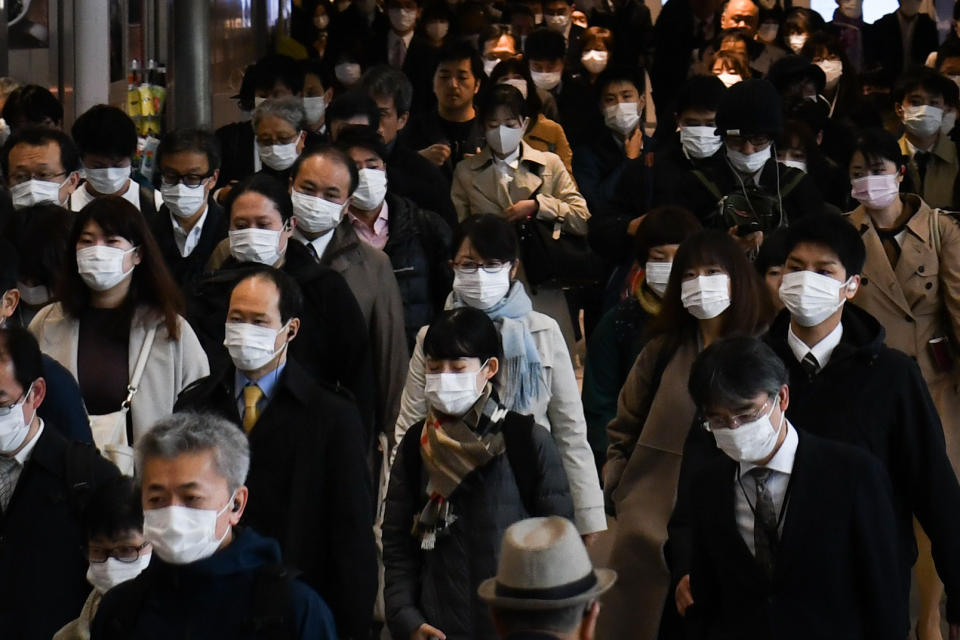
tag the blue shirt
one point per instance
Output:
(267, 384)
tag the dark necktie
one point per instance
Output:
(765, 536)
(922, 158)
(312, 250)
(810, 365)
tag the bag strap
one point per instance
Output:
(790, 186)
(138, 369)
(935, 230)
(711, 187)
(148, 206)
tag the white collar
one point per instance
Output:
(406, 39)
(319, 244)
(512, 160)
(178, 228)
(24, 454)
(821, 351)
(782, 461)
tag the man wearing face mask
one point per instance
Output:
(556, 17)
(392, 49)
(279, 129)
(545, 52)
(40, 166)
(901, 39)
(783, 513)
(208, 576)
(107, 139)
(42, 572)
(848, 20)
(303, 435)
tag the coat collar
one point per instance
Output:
(525, 184)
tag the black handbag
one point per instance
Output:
(553, 259)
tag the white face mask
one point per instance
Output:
(622, 117)
(181, 535)
(315, 215)
(106, 575)
(729, 79)
(538, 18)
(402, 20)
(875, 192)
(453, 393)
(251, 346)
(183, 201)
(481, 290)
(706, 297)
(34, 296)
(257, 101)
(768, 32)
(34, 192)
(316, 108)
(833, 69)
(657, 275)
(595, 61)
(101, 267)
(321, 22)
(348, 73)
(4, 131)
(748, 163)
(438, 30)
(557, 23)
(700, 142)
(278, 157)
(371, 189)
(14, 426)
(107, 181)
(796, 41)
(922, 121)
(546, 80)
(811, 297)
(751, 441)
(255, 245)
(795, 164)
(519, 83)
(489, 65)
(852, 9)
(505, 140)
(948, 123)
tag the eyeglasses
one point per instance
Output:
(5, 411)
(20, 178)
(494, 266)
(124, 553)
(191, 180)
(713, 424)
(757, 140)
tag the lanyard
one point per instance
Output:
(783, 507)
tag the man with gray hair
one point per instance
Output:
(279, 130)
(208, 578)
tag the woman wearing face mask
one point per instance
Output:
(713, 292)
(537, 375)
(621, 334)
(46, 230)
(279, 130)
(911, 284)
(598, 45)
(797, 147)
(730, 67)
(769, 266)
(798, 24)
(116, 549)
(843, 86)
(115, 294)
(464, 473)
(434, 31)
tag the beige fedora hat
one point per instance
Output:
(544, 565)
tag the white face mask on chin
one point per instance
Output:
(181, 535)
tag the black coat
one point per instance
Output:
(308, 485)
(186, 270)
(412, 176)
(883, 43)
(63, 407)
(236, 150)
(426, 129)
(43, 567)
(632, 197)
(440, 586)
(836, 570)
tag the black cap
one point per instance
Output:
(750, 107)
(792, 69)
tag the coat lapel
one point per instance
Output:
(877, 269)
(917, 255)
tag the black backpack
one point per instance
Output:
(750, 208)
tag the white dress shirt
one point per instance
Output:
(781, 466)
(821, 351)
(319, 244)
(187, 242)
(81, 197)
(22, 457)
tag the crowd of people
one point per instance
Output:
(318, 376)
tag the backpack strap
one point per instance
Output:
(791, 184)
(708, 183)
(521, 452)
(273, 615)
(148, 206)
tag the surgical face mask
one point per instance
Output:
(107, 181)
(503, 139)
(316, 107)
(101, 267)
(34, 296)
(595, 61)
(706, 297)
(315, 215)
(538, 18)
(796, 41)
(34, 192)
(402, 20)
(489, 65)
(729, 79)
(183, 201)
(371, 189)
(4, 131)
(181, 535)
(768, 32)
(811, 297)
(948, 123)
(251, 346)
(748, 163)
(348, 73)
(657, 275)
(321, 22)
(438, 30)
(557, 23)
(257, 101)
(255, 245)
(922, 121)
(481, 290)
(852, 9)
(751, 441)
(547, 80)
(833, 69)
(700, 142)
(622, 117)
(796, 164)
(519, 83)
(278, 157)
(453, 393)
(14, 425)
(875, 192)
(106, 575)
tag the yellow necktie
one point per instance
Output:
(251, 396)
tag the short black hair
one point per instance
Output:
(33, 105)
(291, 297)
(833, 232)
(633, 75)
(383, 81)
(45, 228)
(333, 153)
(733, 371)
(9, 266)
(40, 137)
(113, 509)
(501, 95)
(543, 44)
(667, 224)
(277, 68)
(919, 78)
(700, 92)
(356, 102)
(464, 332)
(491, 236)
(773, 251)
(21, 348)
(105, 130)
(877, 144)
(191, 140)
(316, 67)
(520, 67)
(363, 137)
(459, 50)
(267, 186)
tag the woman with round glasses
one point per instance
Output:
(538, 377)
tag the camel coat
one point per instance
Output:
(917, 301)
(547, 135)
(640, 479)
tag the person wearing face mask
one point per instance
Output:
(798, 24)
(434, 32)
(598, 45)
(40, 166)
(208, 575)
(712, 293)
(44, 582)
(781, 501)
(556, 18)
(116, 300)
(621, 334)
(848, 20)
(403, 16)
(279, 129)
(469, 451)
(903, 254)
(107, 139)
(901, 39)
(317, 96)
(496, 45)
(797, 148)
(115, 547)
(303, 434)
(769, 266)
(825, 344)
(537, 377)
(416, 240)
